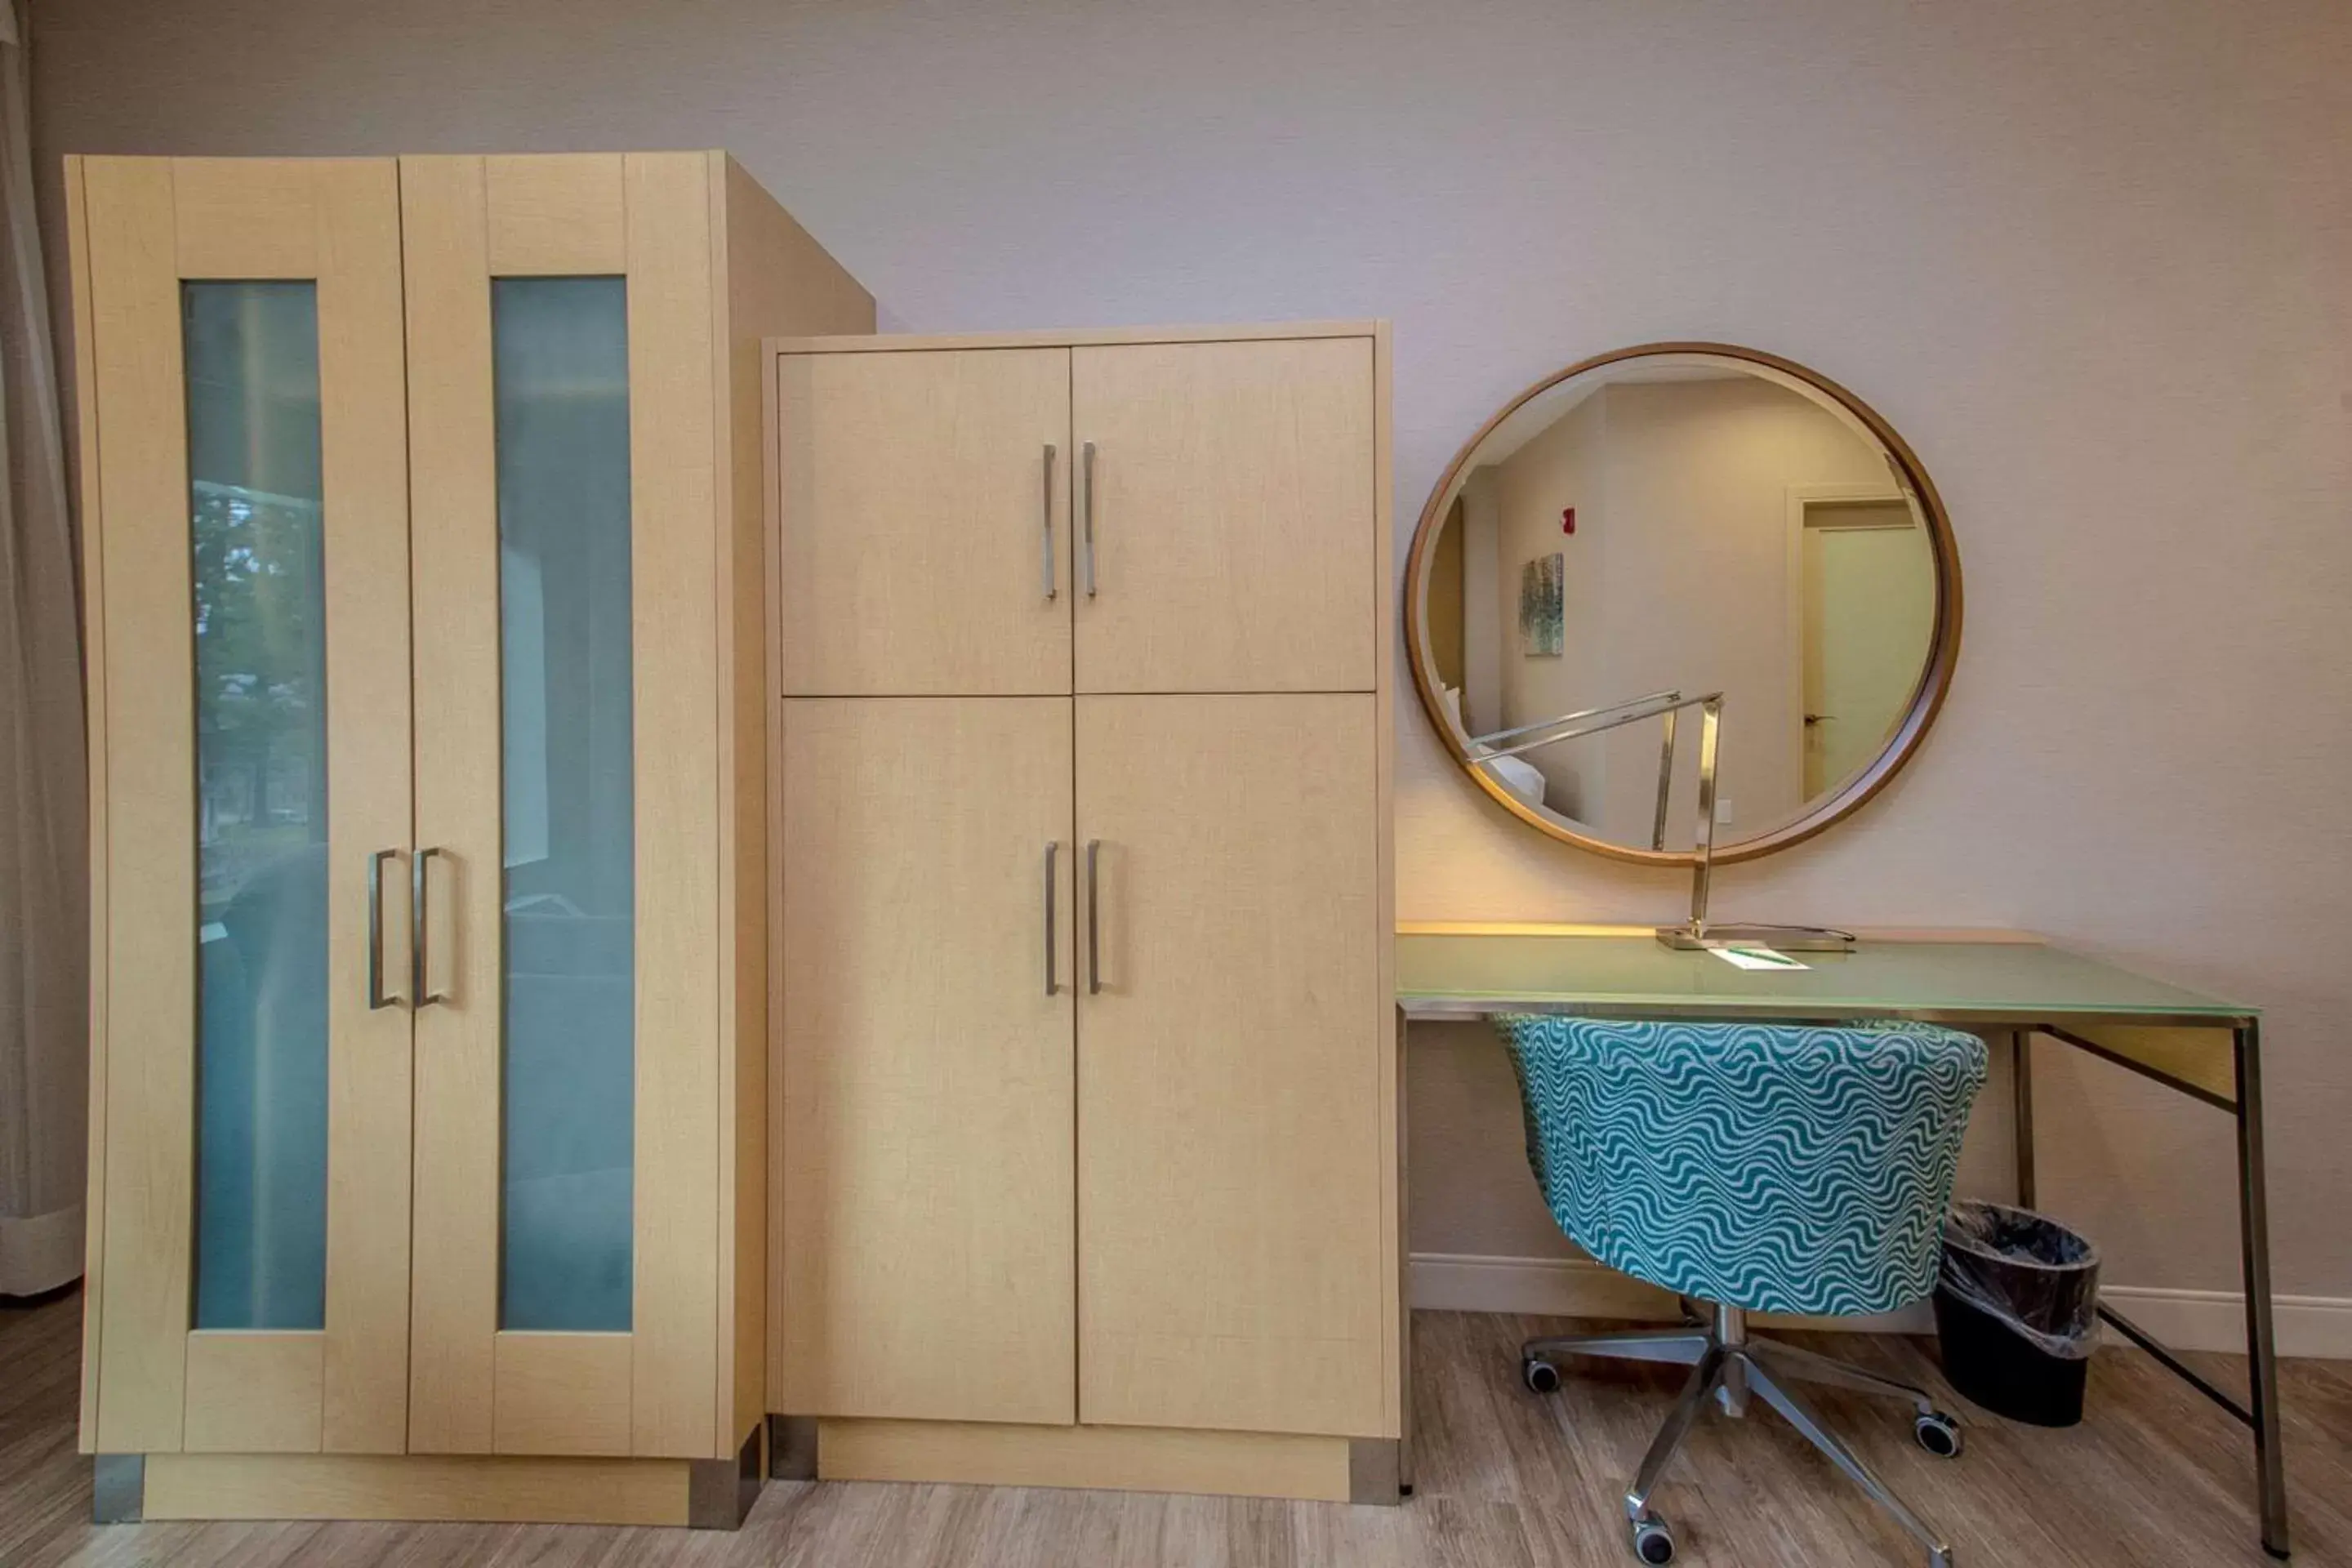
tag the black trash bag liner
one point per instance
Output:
(2026, 1270)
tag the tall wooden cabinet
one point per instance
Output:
(421, 502)
(1086, 1080)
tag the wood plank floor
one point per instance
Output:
(2156, 1477)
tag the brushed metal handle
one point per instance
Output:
(376, 998)
(1053, 975)
(1052, 591)
(418, 886)
(1093, 917)
(1086, 484)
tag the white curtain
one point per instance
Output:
(44, 922)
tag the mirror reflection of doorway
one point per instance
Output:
(1641, 523)
(1869, 612)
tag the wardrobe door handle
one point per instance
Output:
(1053, 975)
(418, 886)
(1086, 485)
(1093, 917)
(376, 998)
(1052, 591)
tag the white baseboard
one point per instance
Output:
(1542, 1287)
(2315, 1326)
(2318, 1326)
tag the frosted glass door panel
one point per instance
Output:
(560, 360)
(252, 362)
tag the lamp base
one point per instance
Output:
(1780, 939)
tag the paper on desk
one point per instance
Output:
(1747, 955)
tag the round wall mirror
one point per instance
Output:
(1660, 525)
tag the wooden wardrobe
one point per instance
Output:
(1086, 1087)
(426, 658)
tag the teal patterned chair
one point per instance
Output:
(1773, 1168)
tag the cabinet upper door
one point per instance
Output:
(563, 416)
(924, 507)
(1237, 1253)
(1225, 516)
(926, 1139)
(246, 527)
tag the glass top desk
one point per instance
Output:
(1991, 983)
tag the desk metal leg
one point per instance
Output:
(1404, 1275)
(2261, 1411)
(2021, 1077)
(2254, 1234)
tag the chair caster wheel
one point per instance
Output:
(1539, 1375)
(1654, 1539)
(1938, 1434)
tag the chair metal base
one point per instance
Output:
(1729, 1366)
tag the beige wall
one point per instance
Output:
(1561, 466)
(1446, 600)
(1698, 518)
(1488, 623)
(2092, 259)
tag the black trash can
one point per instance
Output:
(2017, 1308)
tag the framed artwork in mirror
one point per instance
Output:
(1540, 632)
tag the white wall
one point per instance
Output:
(2091, 258)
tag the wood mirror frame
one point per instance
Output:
(1926, 697)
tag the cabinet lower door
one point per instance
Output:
(926, 1002)
(249, 650)
(1235, 1269)
(562, 426)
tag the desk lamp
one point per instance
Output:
(1696, 933)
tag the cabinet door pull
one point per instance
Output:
(1093, 917)
(1086, 484)
(418, 886)
(1053, 975)
(375, 996)
(1052, 592)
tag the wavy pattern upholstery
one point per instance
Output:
(1781, 1168)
